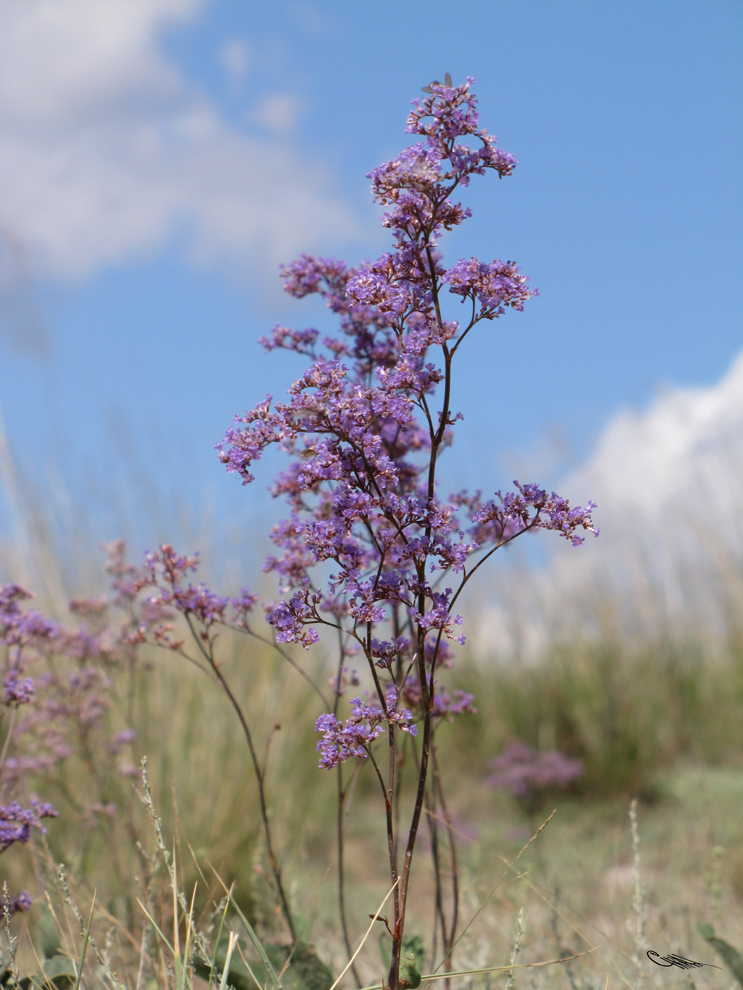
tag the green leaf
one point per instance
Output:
(411, 958)
(411, 961)
(305, 967)
(305, 971)
(57, 972)
(730, 956)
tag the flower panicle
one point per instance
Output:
(363, 427)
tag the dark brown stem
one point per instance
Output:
(393, 979)
(391, 832)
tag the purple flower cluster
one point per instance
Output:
(448, 706)
(493, 286)
(164, 576)
(19, 628)
(16, 822)
(525, 772)
(18, 691)
(57, 684)
(20, 903)
(57, 688)
(63, 702)
(363, 430)
(530, 507)
(342, 741)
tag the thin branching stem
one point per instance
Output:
(259, 775)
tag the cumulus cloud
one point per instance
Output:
(647, 461)
(669, 486)
(235, 57)
(109, 152)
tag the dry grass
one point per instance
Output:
(657, 720)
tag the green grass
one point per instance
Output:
(629, 714)
(660, 721)
(646, 725)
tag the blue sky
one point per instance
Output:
(163, 156)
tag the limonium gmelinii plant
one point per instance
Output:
(363, 428)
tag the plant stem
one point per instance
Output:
(273, 862)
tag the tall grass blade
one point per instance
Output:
(270, 971)
(228, 960)
(86, 938)
(156, 926)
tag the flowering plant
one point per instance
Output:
(57, 688)
(370, 550)
(364, 428)
(528, 774)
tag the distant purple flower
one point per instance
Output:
(19, 904)
(450, 706)
(121, 739)
(128, 770)
(19, 628)
(199, 601)
(126, 580)
(347, 679)
(525, 772)
(17, 691)
(171, 565)
(16, 822)
(89, 606)
(98, 810)
(10, 595)
(244, 604)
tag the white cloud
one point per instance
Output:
(109, 152)
(669, 486)
(648, 461)
(235, 57)
(278, 113)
